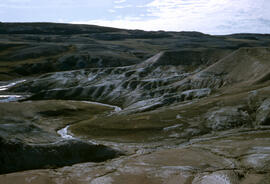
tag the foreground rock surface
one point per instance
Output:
(229, 158)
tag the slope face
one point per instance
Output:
(153, 84)
(145, 86)
(244, 65)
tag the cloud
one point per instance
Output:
(18, 1)
(46, 3)
(209, 16)
(111, 11)
(122, 6)
(119, 1)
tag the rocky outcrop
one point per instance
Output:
(152, 81)
(263, 113)
(148, 81)
(227, 159)
(227, 118)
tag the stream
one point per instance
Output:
(64, 131)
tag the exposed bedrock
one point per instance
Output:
(233, 158)
(227, 118)
(187, 75)
(150, 80)
(263, 113)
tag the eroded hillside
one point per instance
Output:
(128, 106)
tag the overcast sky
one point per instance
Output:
(208, 16)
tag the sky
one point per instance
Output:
(207, 16)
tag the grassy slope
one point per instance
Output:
(116, 46)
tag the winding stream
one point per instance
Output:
(64, 131)
(116, 108)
